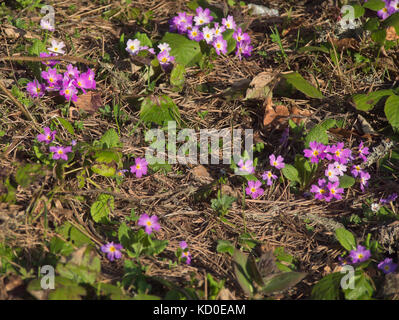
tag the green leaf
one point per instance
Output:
(59, 246)
(295, 79)
(379, 36)
(283, 281)
(313, 49)
(27, 174)
(110, 139)
(144, 40)
(359, 10)
(225, 246)
(317, 133)
(67, 125)
(73, 235)
(240, 261)
(363, 289)
(391, 21)
(177, 77)
(366, 102)
(102, 207)
(231, 42)
(37, 47)
(107, 156)
(103, 170)
(186, 52)
(346, 181)
(159, 110)
(328, 288)
(392, 110)
(82, 266)
(291, 173)
(346, 238)
(372, 24)
(374, 5)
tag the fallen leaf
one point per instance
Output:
(345, 43)
(201, 174)
(280, 114)
(391, 34)
(89, 102)
(258, 88)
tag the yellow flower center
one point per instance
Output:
(79, 83)
(60, 151)
(315, 153)
(274, 163)
(55, 49)
(218, 45)
(48, 137)
(67, 91)
(386, 267)
(228, 25)
(132, 47)
(253, 190)
(112, 249)
(51, 79)
(321, 191)
(194, 33)
(239, 38)
(164, 60)
(269, 174)
(337, 153)
(149, 223)
(332, 191)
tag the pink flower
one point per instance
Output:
(203, 16)
(149, 223)
(247, 167)
(229, 22)
(254, 189)
(220, 45)
(269, 177)
(364, 177)
(140, 167)
(316, 152)
(60, 152)
(48, 135)
(319, 190)
(185, 254)
(36, 89)
(335, 191)
(332, 173)
(277, 162)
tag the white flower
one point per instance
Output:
(164, 46)
(47, 25)
(346, 24)
(375, 207)
(56, 47)
(133, 46)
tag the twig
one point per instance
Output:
(40, 59)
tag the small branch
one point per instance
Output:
(56, 58)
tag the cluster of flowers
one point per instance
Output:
(68, 84)
(198, 28)
(150, 223)
(361, 254)
(59, 152)
(340, 159)
(133, 47)
(391, 6)
(254, 187)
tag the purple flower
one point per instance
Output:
(345, 260)
(356, 171)
(82, 82)
(50, 63)
(36, 89)
(363, 151)
(278, 163)
(140, 167)
(240, 36)
(165, 60)
(181, 22)
(387, 266)
(364, 177)
(72, 71)
(319, 190)
(68, 90)
(390, 198)
(269, 177)
(203, 16)
(360, 254)
(89, 76)
(195, 34)
(244, 49)
(54, 79)
(394, 5)
(185, 254)
(247, 167)
(73, 143)
(229, 22)
(112, 250)
(316, 151)
(335, 191)
(254, 189)
(332, 173)
(121, 173)
(60, 152)
(386, 11)
(220, 45)
(338, 153)
(48, 135)
(208, 35)
(149, 223)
